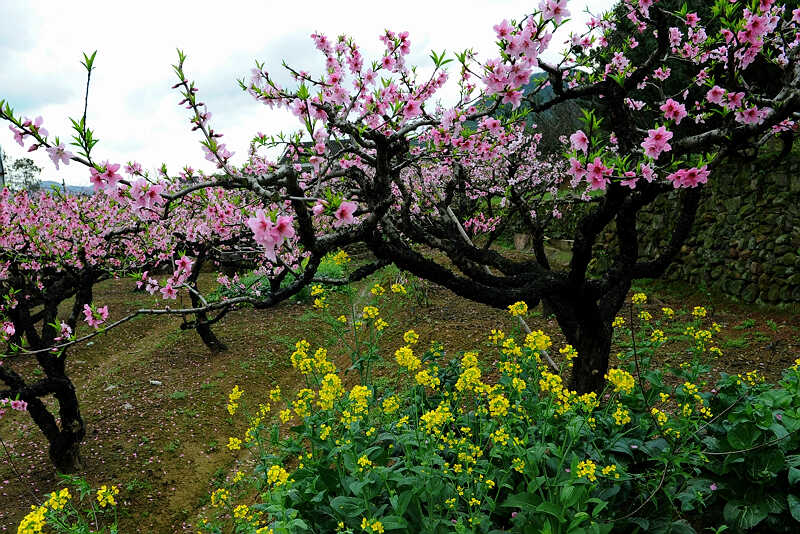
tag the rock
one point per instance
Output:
(110, 387)
(127, 406)
(789, 258)
(774, 294)
(155, 382)
(749, 293)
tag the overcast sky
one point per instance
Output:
(132, 109)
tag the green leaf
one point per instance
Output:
(400, 503)
(794, 506)
(742, 436)
(526, 500)
(394, 522)
(551, 509)
(746, 515)
(347, 506)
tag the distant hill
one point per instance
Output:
(76, 189)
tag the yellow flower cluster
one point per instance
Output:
(518, 308)
(498, 405)
(639, 298)
(234, 396)
(277, 475)
(751, 377)
(621, 380)
(317, 290)
(234, 444)
(398, 288)
(658, 336)
(390, 405)
(588, 401)
(518, 465)
(359, 396)
(587, 469)
(610, 470)
(220, 497)
(621, 415)
(470, 377)
(427, 379)
(404, 356)
(538, 340)
(568, 353)
(645, 316)
(364, 463)
(105, 496)
(34, 522)
(618, 322)
(510, 348)
(518, 384)
(433, 420)
(373, 526)
(411, 337)
(57, 501)
(500, 436)
(241, 511)
(553, 384)
(377, 290)
(660, 417)
(702, 339)
(307, 364)
(669, 313)
(302, 403)
(699, 312)
(324, 432)
(341, 258)
(330, 390)
(370, 312)
(496, 336)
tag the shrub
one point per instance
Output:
(497, 443)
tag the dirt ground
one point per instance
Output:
(164, 445)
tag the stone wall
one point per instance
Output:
(746, 239)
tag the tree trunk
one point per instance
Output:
(586, 329)
(593, 343)
(65, 447)
(209, 338)
(66, 454)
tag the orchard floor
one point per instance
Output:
(165, 445)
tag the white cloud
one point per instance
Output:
(131, 106)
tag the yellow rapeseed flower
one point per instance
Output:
(398, 288)
(105, 495)
(621, 379)
(518, 308)
(411, 337)
(587, 469)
